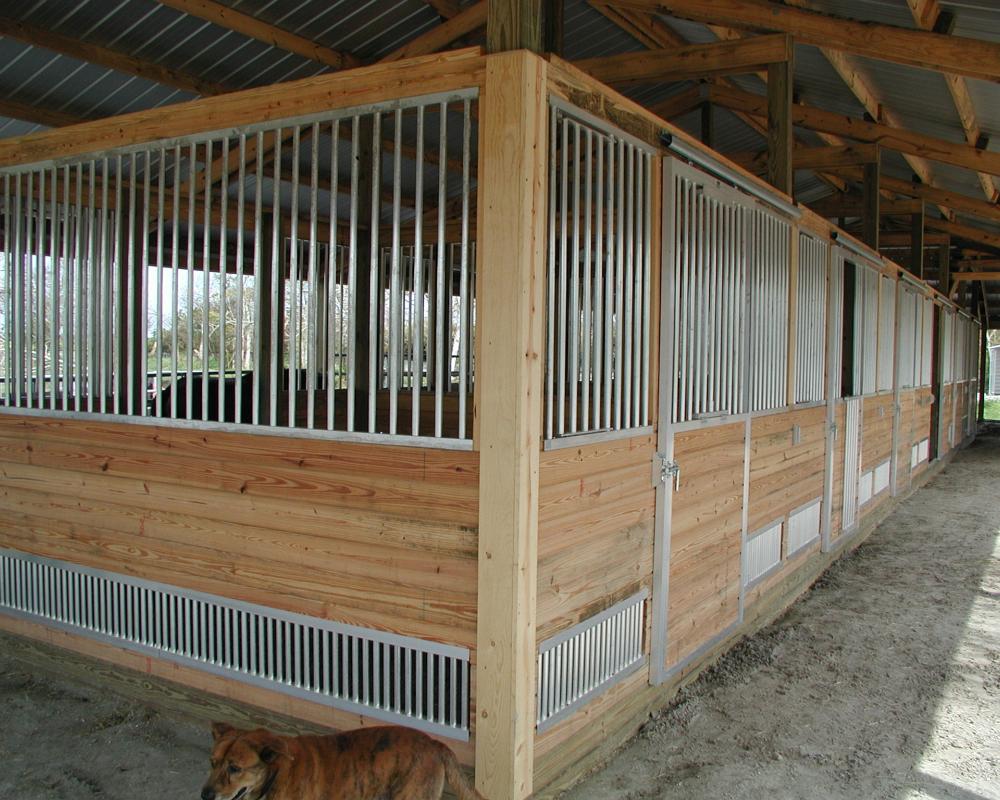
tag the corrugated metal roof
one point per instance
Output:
(370, 29)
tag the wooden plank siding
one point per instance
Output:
(783, 475)
(595, 529)
(705, 538)
(876, 430)
(923, 407)
(381, 537)
(906, 438)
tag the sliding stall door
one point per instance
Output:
(702, 448)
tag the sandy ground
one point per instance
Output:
(883, 682)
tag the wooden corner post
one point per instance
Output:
(512, 269)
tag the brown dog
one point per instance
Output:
(366, 764)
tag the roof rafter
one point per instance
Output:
(439, 37)
(691, 61)
(653, 33)
(888, 136)
(111, 59)
(926, 14)
(237, 21)
(974, 58)
(26, 112)
(857, 80)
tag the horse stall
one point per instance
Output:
(459, 392)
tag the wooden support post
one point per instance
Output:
(870, 217)
(917, 242)
(707, 125)
(512, 274)
(944, 268)
(534, 25)
(780, 138)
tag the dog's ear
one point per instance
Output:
(271, 748)
(220, 729)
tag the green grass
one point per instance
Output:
(992, 410)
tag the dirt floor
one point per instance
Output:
(883, 682)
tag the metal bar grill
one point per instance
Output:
(381, 675)
(909, 337)
(768, 246)
(709, 273)
(866, 329)
(598, 282)
(886, 332)
(763, 553)
(243, 277)
(852, 462)
(804, 526)
(810, 345)
(587, 659)
(835, 344)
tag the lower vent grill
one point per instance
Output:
(386, 676)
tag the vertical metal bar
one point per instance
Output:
(335, 312)
(223, 280)
(206, 279)
(573, 355)
(609, 283)
(53, 297)
(91, 288)
(116, 323)
(102, 284)
(561, 347)
(598, 298)
(465, 323)
(294, 286)
(142, 265)
(375, 300)
(277, 283)
(627, 286)
(8, 373)
(588, 270)
(619, 281)
(174, 280)
(238, 356)
(352, 278)
(647, 257)
(30, 315)
(160, 207)
(312, 326)
(395, 285)
(441, 321)
(259, 323)
(551, 269)
(417, 331)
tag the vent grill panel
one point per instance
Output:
(386, 676)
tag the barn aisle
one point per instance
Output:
(883, 682)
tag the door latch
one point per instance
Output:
(668, 470)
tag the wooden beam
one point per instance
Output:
(669, 65)
(970, 232)
(233, 20)
(833, 156)
(48, 117)
(445, 8)
(522, 25)
(975, 276)
(917, 240)
(780, 136)
(441, 72)
(467, 21)
(902, 239)
(681, 103)
(511, 257)
(854, 206)
(926, 14)
(871, 205)
(102, 56)
(974, 58)
(813, 118)
(978, 264)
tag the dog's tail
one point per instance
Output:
(463, 789)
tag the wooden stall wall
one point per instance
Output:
(923, 407)
(380, 537)
(839, 452)
(595, 547)
(876, 447)
(906, 434)
(787, 471)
